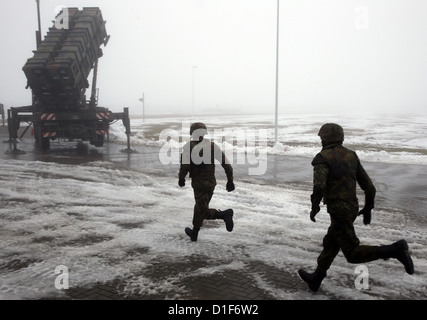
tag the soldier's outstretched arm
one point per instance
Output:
(221, 157)
(185, 166)
(368, 187)
(320, 176)
(183, 171)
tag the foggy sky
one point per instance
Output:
(335, 55)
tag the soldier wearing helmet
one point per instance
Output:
(337, 171)
(198, 159)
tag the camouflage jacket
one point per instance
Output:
(198, 159)
(337, 171)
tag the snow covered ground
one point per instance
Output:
(104, 219)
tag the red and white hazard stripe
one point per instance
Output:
(48, 116)
(49, 134)
(101, 132)
(103, 116)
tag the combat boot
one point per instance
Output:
(399, 251)
(313, 279)
(192, 233)
(227, 216)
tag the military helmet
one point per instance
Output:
(331, 132)
(198, 126)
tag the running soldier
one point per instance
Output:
(198, 159)
(336, 172)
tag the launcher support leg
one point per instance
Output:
(14, 147)
(126, 123)
(13, 126)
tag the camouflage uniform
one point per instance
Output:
(337, 171)
(201, 168)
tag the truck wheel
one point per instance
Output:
(43, 143)
(99, 141)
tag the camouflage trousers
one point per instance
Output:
(341, 235)
(201, 208)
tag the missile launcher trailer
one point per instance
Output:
(58, 77)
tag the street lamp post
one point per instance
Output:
(277, 80)
(194, 68)
(143, 106)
